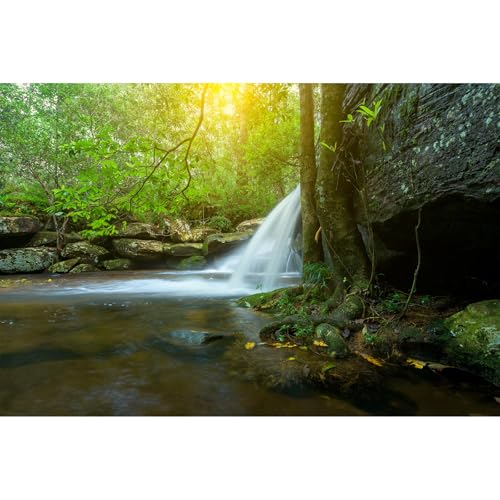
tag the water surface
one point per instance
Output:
(127, 343)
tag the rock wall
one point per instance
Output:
(138, 245)
(433, 147)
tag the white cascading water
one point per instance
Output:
(271, 252)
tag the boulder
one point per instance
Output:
(439, 154)
(190, 338)
(117, 264)
(194, 263)
(185, 249)
(135, 249)
(84, 268)
(474, 339)
(249, 225)
(140, 231)
(26, 260)
(88, 252)
(64, 266)
(19, 226)
(16, 232)
(44, 238)
(200, 234)
(333, 337)
(218, 243)
(178, 230)
(49, 238)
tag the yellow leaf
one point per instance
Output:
(49, 280)
(291, 358)
(320, 343)
(371, 359)
(279, 345)
(249, 345)
(416, 363)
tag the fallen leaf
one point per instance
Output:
(303, 348)
(49, 280)
(371, 359)
(327, 367)
(437, 367)
(280, 345)
(249, 345)
(320, 343)
(291, 358)
(416, 363)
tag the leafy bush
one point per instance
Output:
(221, 223)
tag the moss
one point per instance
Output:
(194, 262)
(474, 338)
(263, 300)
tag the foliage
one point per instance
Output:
(221, 223)
(104, 144)
(316, 274)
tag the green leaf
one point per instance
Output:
(327, 367)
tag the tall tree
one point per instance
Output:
(335, 194)
(312, 251)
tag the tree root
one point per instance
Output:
(342, 317)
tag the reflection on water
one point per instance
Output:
(146, 343)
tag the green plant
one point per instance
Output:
(370, 115)
(316, 273)
(220, 223)
(393, 302)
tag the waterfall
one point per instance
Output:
(271, 250)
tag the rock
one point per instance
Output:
(185, 249)
(190, 338)
(20, 226)
(84, 268)
(44, 238)
(26, 260)
(200, 234)
(249, 225)
(88, 252)
(15, 232)
(117, 264)
(195, 262)
(64, 266)
(333, 337)
(177, 230)
(133, 249)
(49, 238)
(441, 155)
(217, 243)
(140, 231)
(474, 340)
(72, 237)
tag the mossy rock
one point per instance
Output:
(84, 268)
(117, 264)
(194, 262)
(185, 249)
(88, 252)
(337, 347)
(64, 266)
(217, 243)
(26, 260)
(474, 339)
(263, 300)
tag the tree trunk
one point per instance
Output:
(311, 249)
(334, 197)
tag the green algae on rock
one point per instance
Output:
(474, 338)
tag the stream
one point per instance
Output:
(169, 343)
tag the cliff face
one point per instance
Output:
(441, 155)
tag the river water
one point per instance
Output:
(129, 343)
